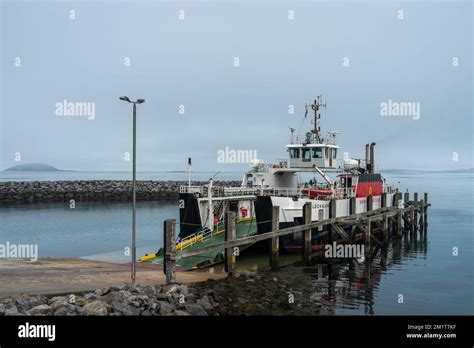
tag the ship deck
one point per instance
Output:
(244, 228)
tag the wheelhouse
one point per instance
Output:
(322, 156)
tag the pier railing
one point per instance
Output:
(403, 216)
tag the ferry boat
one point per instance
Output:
(282, 184)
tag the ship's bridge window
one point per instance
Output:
(317, 152)
(250, 180)
(326, 152)
(306, 154)
(294, 153)
(334, 153)
(346, 182)
(343, 182)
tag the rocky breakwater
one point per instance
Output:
(173, 299)
(93, 190)
(291, 291)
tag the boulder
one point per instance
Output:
(11, 309)
(124, 308)
(96, 308)
(194, 309)
(165, 308)
(204, 303)
(40, 310)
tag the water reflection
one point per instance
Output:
(348, 286)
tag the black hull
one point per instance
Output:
(189, 217)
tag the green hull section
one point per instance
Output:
(243, 228)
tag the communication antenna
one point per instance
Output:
(292, 136)
(317, 104)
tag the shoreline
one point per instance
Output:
(81, 287)
(31, 192)
(52, 276)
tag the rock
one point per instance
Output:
(204, 303)
(25, 302)
(59, 302)
(124, 308)
(11, 309)
(155, 307)
(96, 308)
(113, 296)
(40, 310)
(170, 289)
(80, 301)
(165, 308)
(2, 309)
(81, 311)
(194, 309)
(66, 309)
(149, 291)
(180, 313)
(241, 300)
(92, 296)
(162, 297)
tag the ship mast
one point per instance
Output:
(318, 103)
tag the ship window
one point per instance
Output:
(346, 182)
(294, 153)
(326, 153)
(306, 154)
(334, 153)
(317, 153)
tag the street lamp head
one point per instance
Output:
(125, 99)
(140, 101)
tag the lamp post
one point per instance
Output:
(134, 188)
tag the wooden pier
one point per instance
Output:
(374, 228)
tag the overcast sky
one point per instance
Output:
(48, 57)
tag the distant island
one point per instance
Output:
(397, 171)
(33, 167)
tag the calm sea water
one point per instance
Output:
(431, 279)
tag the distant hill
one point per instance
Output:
(32, 167)
(397, 171)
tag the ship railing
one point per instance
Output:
(390, 189)
(191, 189)
(280, 191)
(240, 191)
(198, 237)
(344, 192)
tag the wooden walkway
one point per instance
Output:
(376, 226)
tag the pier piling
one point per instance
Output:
(415, 212)
(371, 224)
(275, 241)
(425, 212)
(230, 236)
(170, 250)
(367, 236)
(307, 212)
(332, 215)
(422, 216)
(352, 205)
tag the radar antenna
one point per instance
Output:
(318, 103)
